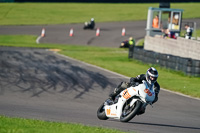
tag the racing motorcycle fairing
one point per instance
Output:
(142, 92)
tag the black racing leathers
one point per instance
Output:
(134, 82)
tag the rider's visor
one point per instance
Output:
(153, 78)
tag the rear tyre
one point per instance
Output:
(128, 114)
(101, 113)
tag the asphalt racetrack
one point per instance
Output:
(40, 84)
(110, 32)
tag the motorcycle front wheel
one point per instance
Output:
(101, 114)
(129, 112)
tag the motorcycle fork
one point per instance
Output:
(127, 107)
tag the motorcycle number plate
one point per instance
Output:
(110, 112)
(148, 92)
(126, 94)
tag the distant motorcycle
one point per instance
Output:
(128, 103)
(124, 44)
(89, 25)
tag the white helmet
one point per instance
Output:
(151, 75)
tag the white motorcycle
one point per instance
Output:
(128, 103)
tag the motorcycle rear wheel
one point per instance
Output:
(133, 112)
(101, 113)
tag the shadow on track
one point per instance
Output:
(165, 125)
(36, 72)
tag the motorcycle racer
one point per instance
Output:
(89, 25)
(151, 78)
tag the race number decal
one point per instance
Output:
(148, 92)
(108, 111)
(126, 95)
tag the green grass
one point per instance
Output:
(63, 13)
(197, 33)
(20, 125)
(113, 59)
(140, 42)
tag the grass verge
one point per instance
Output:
(63, 13)
(113, 59)
(140, 42)
(20, 125)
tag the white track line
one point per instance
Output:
(38, 39)
(122, 75)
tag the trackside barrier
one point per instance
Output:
(43, 32)
(187, 65)
(71, 32)
(98, 32)
(123, 31)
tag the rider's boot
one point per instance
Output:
(142, 111)
(120, 87)
(112, 96)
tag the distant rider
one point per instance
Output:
(89, 25)
(92, 23)
(151, 78)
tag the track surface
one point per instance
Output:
(110, 33)
(40, 84)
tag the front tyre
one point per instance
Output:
(129, 113)
(101, 113)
